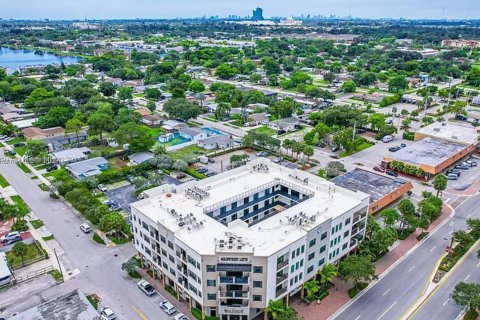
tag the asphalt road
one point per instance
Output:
(396, 292)
(440, 305)
(97, 269)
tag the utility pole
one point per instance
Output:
(354, 130)
(59, 265)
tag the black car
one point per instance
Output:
(210, 174)
(394, 149)
(202, 170)
(279, 132)
(211, 160)
(391, 173)
(19, 144)
(145, 174)
(12, 152)
(403, 145)
(361, 130)
(52, 168)
(13, 240)
(298, 126)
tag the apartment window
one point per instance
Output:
(297, 265)
(344, 246)
(172, 271)
(291, 282)
(171, 258)
(323, 248)
(333, 230)
(301, 263)
(347, 221)
(292, 268)
(338, 250)
(257, 284)
(300, 276)
(234, 205)
(223, 210)
(293, 254)
(164, 253)
(210, 268)
(245, 212)
(324, 236)
(312, 243)
(211, 296)
(162, 238)
(310, 269)
(311, 256)
(245, 200)
(191, 261)
(170, 245)
(321, 262)
(346, 233)
(165, 265)
(211, 283)
(302, 249)
(298, 251)
(257, 297)
(259, 269)
(296, 279)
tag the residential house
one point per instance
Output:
(36, 133)
(26, 123)
(87, 168)
(6, 275)
(16, 116)
(192, 134)
(140, 157)
(71, 155)
(58, 142)
(152, 120)
(173, 125)
(286, 124)
(216, 142)
(258, 118)
(144, 111)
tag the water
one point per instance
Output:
(11, 59)
(213, 132)
(173, 139)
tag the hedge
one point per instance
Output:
(408, 135)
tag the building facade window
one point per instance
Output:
(257, 269)
(257, 297)
(210, 268)
(211, 283)
(257, 284)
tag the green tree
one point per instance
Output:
(158, 149)
(467, 295)
(311, 287)
(376, 120)
(36, 96)
(328, 272)
(390, 216)
(20, 250)
(357, 268)
(136, 136)
(349, 87)
(459, 108)
(440, 183)
(225, 71)
(36, 148)
(196, 86)
(407, 210)
(55, 117)
(181, 109)
(397, 84)
(275, 308)
(153, 93)
(125, 93)
(100, 122)
(180, 165)
(289, 314)
(74, 125)
(112, 223)
(107, 89)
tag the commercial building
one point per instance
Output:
(231, 243)
(461, 43)
(383, 190)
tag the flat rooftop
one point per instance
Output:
(428, 151)
(266, 237)
(376, 185)
(451, 132)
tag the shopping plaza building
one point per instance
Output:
(231, 243)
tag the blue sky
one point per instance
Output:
(104, 9)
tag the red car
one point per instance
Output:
(379, 169)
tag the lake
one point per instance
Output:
(11, 59)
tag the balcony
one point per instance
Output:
(280, 292)
(282, 264)
(233, 280)
(282, 278)
(234, 310)
(233, 294)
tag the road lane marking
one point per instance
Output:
(357, 318)
(381, 316)
(446, 302)
(385, 292)
(466, 277)
(478, 264)
(140, 313)
(411, 269)
(451, 231)
(433, 249)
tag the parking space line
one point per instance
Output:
(467, 277)
(432, 249)
(446, 301)
(385, 292)
(411, 269)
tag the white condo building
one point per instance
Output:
(231, 243)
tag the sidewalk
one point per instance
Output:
(339, 294)
(182, 306)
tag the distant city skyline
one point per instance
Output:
(158, 9)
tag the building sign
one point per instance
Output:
(233, 259)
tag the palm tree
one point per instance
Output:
(308, 151)
(287, 145)
(311, 287)
(20, 250)
(275, 308)
(327, 274)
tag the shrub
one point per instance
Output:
(172, 291)
(408, 135)
(98, 239)
(471, 314)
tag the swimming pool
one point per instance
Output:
(213, 132)
(173, 139)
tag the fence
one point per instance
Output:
(33, 275)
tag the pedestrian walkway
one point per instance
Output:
(182, 306)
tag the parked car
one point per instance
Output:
(471, 163)
(403, 145)
(130, 178)
(387, 139)
(145, 174)
(180, 175)
(461, 167)
(451, 177)
(461, 117)
(379, 169)
(210, 174)
(12, 152)
(450, 172)
(10, 235)
(202, 170)
(361, 130)
(391, 173)
(18, 144)
(13, 240)
(211, 160)
(180, 316)
(52, 168)
(279, 132)
(146, 287)
(335, 149)
(394, 149)
(102, 188)
(107, 314)
(277, 160)
(85, 228)
(167, 307)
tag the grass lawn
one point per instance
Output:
(156, 131)
(94, 300)
(56, 275)
(363, 146)
(116, 162)
(98, 239)
(33, 252)
(37, 223)
(41, 166)
(60, 175)
(21, 150)
(3, 182)
(103, 148)
(352, 292)
(22, 206)
(265, 130)
(43, 186)
(24, 167)
(48, 238)
(210, 118)
(121, 240)
(194, 150)
(16, 140)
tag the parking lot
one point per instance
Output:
(466, 179)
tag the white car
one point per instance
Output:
(146, 287)
(167, 307)
(9, 236)
(180, 316)
(102, 188)
(107, 314)
(85, 228)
